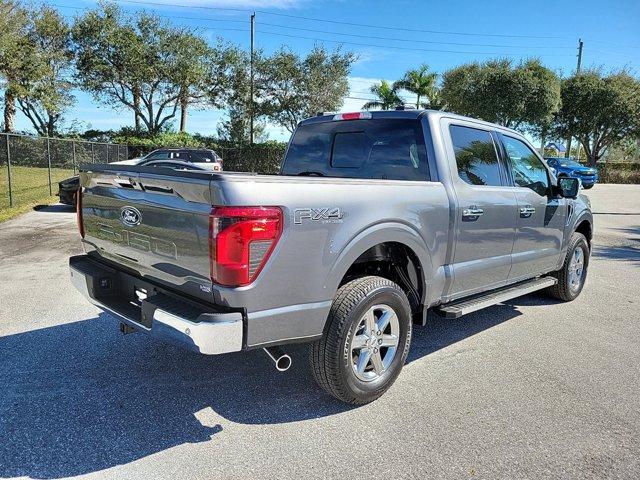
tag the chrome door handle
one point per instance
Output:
(527, 211)
(472, 213)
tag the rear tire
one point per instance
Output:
(587, 187)
(572, 275)
(366, 341)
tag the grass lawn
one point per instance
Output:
(30, 187)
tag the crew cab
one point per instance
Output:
(376, 221)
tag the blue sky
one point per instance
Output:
(393, 36)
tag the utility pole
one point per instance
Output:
(567, 154)
(253, 25)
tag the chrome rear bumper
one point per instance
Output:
(207, 332)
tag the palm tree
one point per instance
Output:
(422, 83)
(387, 96)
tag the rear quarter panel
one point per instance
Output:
(305, 269)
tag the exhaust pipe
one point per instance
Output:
(281, 359)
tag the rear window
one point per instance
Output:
(203, 156)
(390, 149)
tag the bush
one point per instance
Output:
(264, 158)
(619, 172)
(141, 144)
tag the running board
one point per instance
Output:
(461, 307)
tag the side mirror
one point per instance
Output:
(568, 187)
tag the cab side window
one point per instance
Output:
(476, 156)
(528, 170)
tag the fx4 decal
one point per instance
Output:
(322, 215)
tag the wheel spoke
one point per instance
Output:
(376, 361)
(384, 320)
(389, 341)
(363, 360)
(370, 321)
(358, 342)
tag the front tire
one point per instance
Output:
(366, 341)
(572, 275)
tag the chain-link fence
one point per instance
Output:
(31, 167)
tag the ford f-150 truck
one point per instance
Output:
(376, 221)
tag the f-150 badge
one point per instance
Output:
(322, 215)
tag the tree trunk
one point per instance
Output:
(51, 125)
(418, 103)
(543, 135)
(184, 105)
(136, 103)
(9, 111)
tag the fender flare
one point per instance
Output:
(374, 235)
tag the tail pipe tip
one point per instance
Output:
(281, 360)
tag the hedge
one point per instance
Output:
(619, 172)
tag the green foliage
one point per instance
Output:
(290, 88)
(600, 111)
(146, 65)
(263, 158)
(387, 96)
(141, 144)
(13, 46)
(619, 172)
(421, 83)
(41, 86)
(524, 96)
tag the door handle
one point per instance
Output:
(527, 211)
(472, 213)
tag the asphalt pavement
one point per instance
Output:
(528, 389)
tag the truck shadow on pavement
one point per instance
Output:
(80, 397)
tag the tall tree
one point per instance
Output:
(600, 111)
(422, 83)
(141, 64)
(42, 87)
(201, 72)
(387, 96)
(235, 128)
(290, 88)
(498, 92)
(13, 40)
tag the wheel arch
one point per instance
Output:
(381, 250)
(585, 227)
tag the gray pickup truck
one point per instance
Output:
(376, 221)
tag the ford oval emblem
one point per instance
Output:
(130, 216)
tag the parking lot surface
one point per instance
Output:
(528, 389)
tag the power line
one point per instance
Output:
(178, 17)
(431, 50)
(338, 22)
(410, 39)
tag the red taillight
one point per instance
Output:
(240, 242)
(79, 211)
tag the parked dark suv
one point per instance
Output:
(177, 158)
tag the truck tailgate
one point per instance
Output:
(152, 220)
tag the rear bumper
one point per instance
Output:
(187, 324)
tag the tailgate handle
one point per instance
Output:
(156, 188)
(125, 182)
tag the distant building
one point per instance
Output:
(557, 148)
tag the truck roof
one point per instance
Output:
(409, 115)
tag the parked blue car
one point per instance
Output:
(567, 167)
